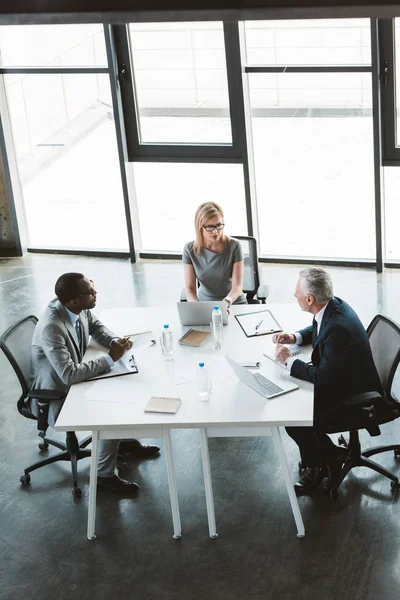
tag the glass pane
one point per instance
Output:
(392, 213)
(168, 195)
(313, 149)
(68, 164)
(52, 46)
(181, 82)
(309, 42)
(397, 76)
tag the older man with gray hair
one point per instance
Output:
(341, 365)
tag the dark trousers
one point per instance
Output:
(313, 443)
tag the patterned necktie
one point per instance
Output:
(314, 333)
(80, 336)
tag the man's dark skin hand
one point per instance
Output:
(119, 347)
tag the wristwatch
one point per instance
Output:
(229, 300)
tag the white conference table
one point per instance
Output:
(114, 408)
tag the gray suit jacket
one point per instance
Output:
(56, 360)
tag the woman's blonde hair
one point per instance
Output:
(206, 211)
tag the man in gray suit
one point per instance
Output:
(58, 346)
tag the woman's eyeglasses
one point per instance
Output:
(211, 228)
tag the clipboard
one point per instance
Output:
(124, 366)
(258, 323)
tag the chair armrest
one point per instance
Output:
(262, 292)
(46, 396)
(363, 400)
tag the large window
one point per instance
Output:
(168, 195)
(64, 137)
(314, 165)
(181, 82)
(273, 119)
(52, 46)
(309, 42)
(313, 139)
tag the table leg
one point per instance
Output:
(93, 486)
(208, 485)
(176, 520)
(276, 434)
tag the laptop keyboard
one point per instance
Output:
(267, 386)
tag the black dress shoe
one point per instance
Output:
(311, 478)
(117, 485)
(138, 450)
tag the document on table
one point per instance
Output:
(121, 392)
(258, 323)
(124, 366)
(185, 370)
(301, 352)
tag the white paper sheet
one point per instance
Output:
(123, 366)
(121, 392)
(185, 370)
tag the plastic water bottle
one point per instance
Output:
(167, 346)
(204, 383)
(217, 325)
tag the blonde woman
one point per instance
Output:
(214, 259)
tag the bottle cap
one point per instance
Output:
(216, 307)
(166, 326)
(201, 364)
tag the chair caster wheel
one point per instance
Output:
(77, 492)
(395, 485)
(333, 494)
(396, 453)
(43, 446)
(301, 467)
(25, 479)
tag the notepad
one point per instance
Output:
(162, 404)
(194, 337)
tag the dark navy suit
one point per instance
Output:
(342, 365)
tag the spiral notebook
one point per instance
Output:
(163, 404)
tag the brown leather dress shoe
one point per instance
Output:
(137, 450)
(117, 485)
(311, 479)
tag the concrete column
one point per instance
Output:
(13, 230)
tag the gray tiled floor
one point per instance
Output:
(351, 547)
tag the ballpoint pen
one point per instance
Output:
(132, 360)
(257, 326)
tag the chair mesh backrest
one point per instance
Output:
(16, 345)
(384, 338)
(250, 275)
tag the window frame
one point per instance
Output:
(173, 152)
(387, 78)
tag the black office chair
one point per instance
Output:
(371, 409)
(16, 345)
(255, 291)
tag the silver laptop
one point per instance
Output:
(260, 384)
(199, 313)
